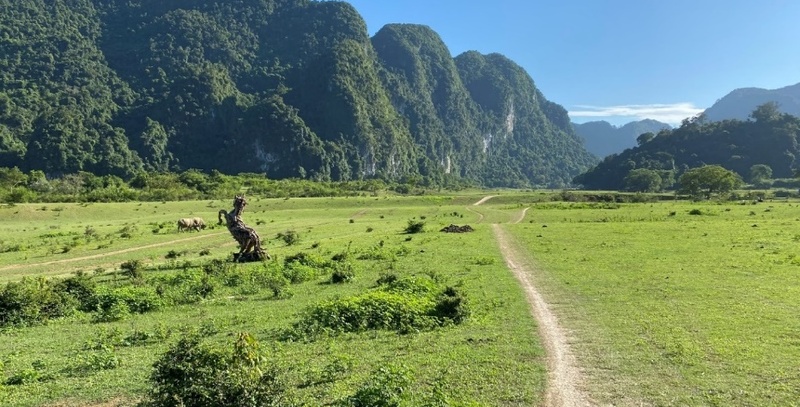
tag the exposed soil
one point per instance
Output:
(564, 385)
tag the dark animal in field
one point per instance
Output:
(185, 224)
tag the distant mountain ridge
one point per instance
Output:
(287, 88)
(602, 138)
(739, 103)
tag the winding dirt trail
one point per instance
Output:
(564, 385)
(482, 200)
(521, 216)
(106, 254)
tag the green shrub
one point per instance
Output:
(424, 286)
(194, 374)
(132, 269)
(385, 310)
(695, 212)
(299, 273)
(115, 311)
(217, 267)
(33, 301)
(85, 363)
(387, 278)
(385, 387)
(81, 287)
(290, 237)
(377, 252)
(187, 286)
(451, 306)
(415, 226)
(306, 259)
(137, 299)
(342, 273)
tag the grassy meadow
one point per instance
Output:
(494, 358)
(675, 303)
(667, 303)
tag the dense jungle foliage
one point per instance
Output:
(290, 88)
(764, 147)
(19, 187)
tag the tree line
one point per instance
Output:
(17, 186)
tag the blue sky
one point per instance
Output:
(620, 60)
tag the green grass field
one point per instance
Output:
(665, 307)
(492, 359)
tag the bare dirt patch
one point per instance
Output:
(565, 383)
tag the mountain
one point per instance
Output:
(290, 88)
(741, 102)
(771, 138)
(602, 138)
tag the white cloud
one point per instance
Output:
(667, 113)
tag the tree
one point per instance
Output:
(643, 180)
(767, 112)
(707, 180)
(11, 177)
(760, 174)
(644, 138)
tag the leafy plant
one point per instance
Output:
(132, 269)
(290, 237)
(386, 387)
(342, 273)
(415, 226)
(195, 374)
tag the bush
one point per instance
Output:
(132, 269)
(81, 287)
(289, 237)
(415, 226)
(193, 374)
(387, 278)
(103, 358)
(386, 387)
(298, 273)
(342, 273)
(33, 301)
(137, 299)
(695, 212)
(451, 307)
(306, 259)
(187, 286)
(396, 311)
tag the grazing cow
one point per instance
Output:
(185, 224)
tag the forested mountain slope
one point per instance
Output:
(290, 88)
(770, 138)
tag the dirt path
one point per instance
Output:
(564, 381)
(101, 255)
(521, 215)
(564, 385)
(482, 200)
